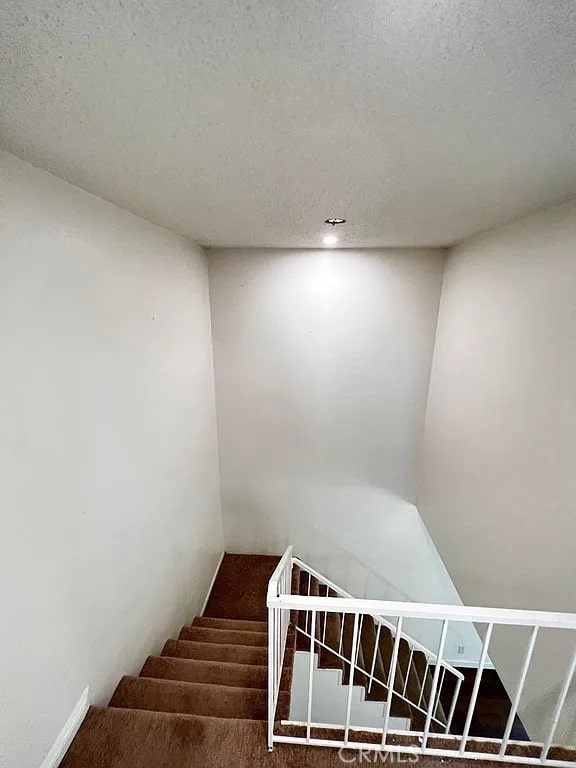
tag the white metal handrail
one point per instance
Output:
(378, 618)
(281, 603)
(431, 611)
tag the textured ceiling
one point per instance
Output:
(248, 122)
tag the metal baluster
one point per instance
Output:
(440, 684)
(311, 677)
(519, 689)
(420, 698)
(476, 688)
(341, 634)
(559, 706)
(435, 682)
(308, 612)
(277, 653)
(374, 657)
(271, 712)
(391, 679)
(453, 705)
(408, 672)
(351, 680)
(359, 639)
(325, 618)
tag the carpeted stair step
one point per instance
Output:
(192, 698)
(236, 654)
(223, 636)
(201, 671)
(239, 591)
(234, 624)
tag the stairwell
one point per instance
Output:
(202, 703)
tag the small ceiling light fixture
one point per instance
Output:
(335, 220)
(330, 239)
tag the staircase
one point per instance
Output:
(413, 677)
(204, 701)
(216, 668)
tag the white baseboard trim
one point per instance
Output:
(468, 663)
(205, 603)
(54, 757)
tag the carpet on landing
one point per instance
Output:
(124, 738)
(239, 591)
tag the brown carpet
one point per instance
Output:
(202, 703)
(123, 738)
(240, 588)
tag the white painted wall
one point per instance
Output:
(322, 362)
(499, 482)
(110, 503)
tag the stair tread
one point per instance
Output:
(204, 671)
(224, 636)
(240, 654)
(191, 698)
(241, 625)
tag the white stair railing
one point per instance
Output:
(396, 632)
(278, 622)
(435, 736)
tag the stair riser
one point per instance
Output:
(191, 698)
(216, 652)
(224, 637)
(208, 672)
(230, 624)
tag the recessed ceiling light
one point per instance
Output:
(335, 220)
(330, 239)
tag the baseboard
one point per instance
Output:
(205, 603)
(54, 757)
(468, 663)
